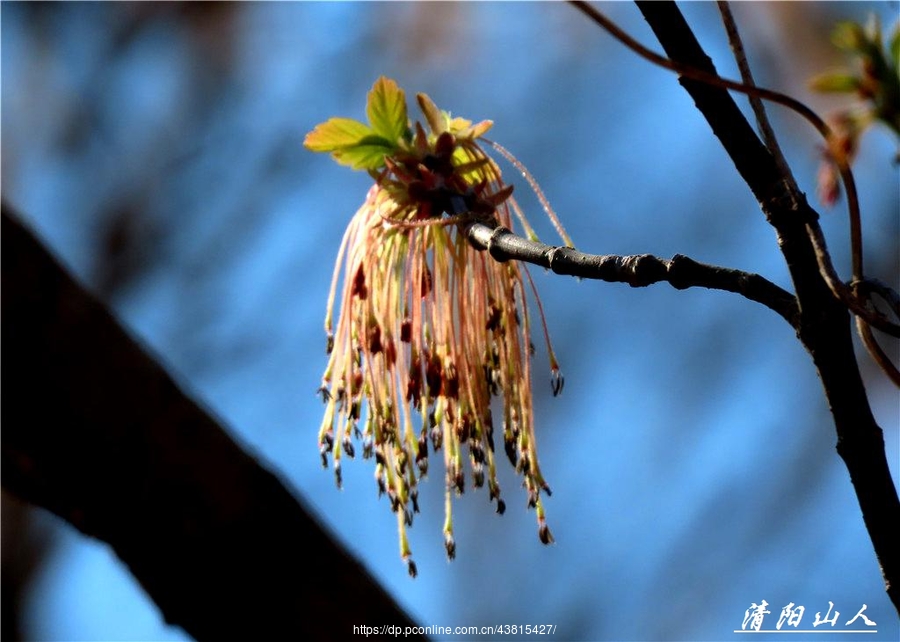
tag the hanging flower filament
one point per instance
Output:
(430, 328)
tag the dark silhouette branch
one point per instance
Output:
(824, 324)
(97, 432)
(641, 270)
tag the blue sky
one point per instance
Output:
(691, 454)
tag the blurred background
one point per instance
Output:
(157, 149)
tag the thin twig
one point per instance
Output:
(855, 303)
(681, 272)
(759, 109)
(883, 361)
(829, 274)
(866, 289)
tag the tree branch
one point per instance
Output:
(824, 324)
(704, 74)
(97, 432)
(681, 272)
(756, 103)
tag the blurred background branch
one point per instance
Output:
(97, 432)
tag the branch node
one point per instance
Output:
(496, 252)
(645, 269)
(680, 269)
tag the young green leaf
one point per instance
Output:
(849, 36)
(367, 154)
(335, 134)
(835, 83)
(386, 110)
(350, 143)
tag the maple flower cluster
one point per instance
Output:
(430, 328)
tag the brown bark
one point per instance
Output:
(824, 323)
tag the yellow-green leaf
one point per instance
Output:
(849, 36)
(368, 153)
(466, 129)
(835, 83)
(386, 109)
(335, 134)
(895, 47)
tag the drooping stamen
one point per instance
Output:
(557, 224)
(556, 378)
